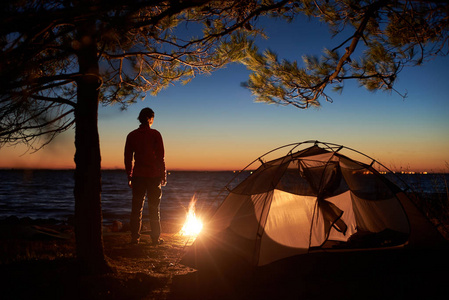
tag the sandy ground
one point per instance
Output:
(43, 267)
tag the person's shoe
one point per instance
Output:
(157, 242)
(134, 242)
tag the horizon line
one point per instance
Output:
(199, 170)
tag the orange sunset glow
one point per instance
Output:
(222, 157)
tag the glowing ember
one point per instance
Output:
(192, 225)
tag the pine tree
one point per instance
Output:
(60, 59)
(389, 35)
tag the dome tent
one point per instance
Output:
(314, 198)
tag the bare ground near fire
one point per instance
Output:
(37, 262)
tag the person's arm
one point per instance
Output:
(128, 159)
(160, 156)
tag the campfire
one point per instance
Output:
(192, 226)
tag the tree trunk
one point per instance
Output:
(88, 216)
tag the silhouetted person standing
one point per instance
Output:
(147, 175)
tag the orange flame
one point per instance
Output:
(192, 225)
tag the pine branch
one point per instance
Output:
(371, 9)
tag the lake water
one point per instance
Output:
(49, 193)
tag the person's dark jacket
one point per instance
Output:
(145, 145)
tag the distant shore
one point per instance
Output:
(443, 171)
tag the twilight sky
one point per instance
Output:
(213, 123)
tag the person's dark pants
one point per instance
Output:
(151, 187)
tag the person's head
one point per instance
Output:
(145, 115)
